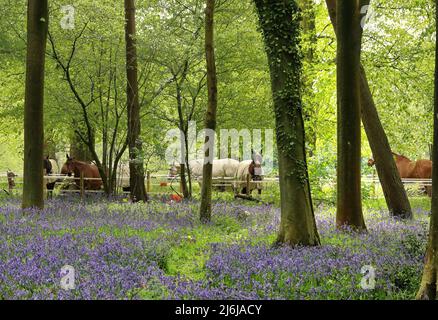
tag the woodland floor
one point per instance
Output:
(160, 251)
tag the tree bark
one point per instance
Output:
(136, 169)
(279, 21)
(393, 189)
(37, 26)
(349, 202)
(310, 40)
(183, 126)
(392, 186)
(210, 117)
(428, 288)
(79, 150)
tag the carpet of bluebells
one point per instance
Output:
(160, 251)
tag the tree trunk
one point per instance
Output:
(79, 150)
(37, 26)
(136, 169)
(310, 41)
(428, 289)
(210, 117)
(279, 22)
(349, 202)
(393, 190)
(184, 140)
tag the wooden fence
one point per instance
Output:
(15, 182)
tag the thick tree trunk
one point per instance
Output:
(136, 169)
(349, 202)
(37, 26)
(279, 21)
(210, 117)
(429, 289)
(393, 190)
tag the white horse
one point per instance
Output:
(51, 168)
(123, 175)
(222, 168)
(254, 169)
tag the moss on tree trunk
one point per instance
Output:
(280, 25)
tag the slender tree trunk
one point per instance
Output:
(37, 26)
(279, 21)
(349, 203)
(136, 169)
(310, 41)
(188, 169)
(182, 127)
(183, 167)
(393, 190)
(210, 117)
(429, 289)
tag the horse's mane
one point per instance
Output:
(401, 156)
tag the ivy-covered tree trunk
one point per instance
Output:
(393, 189)
(210, 117)
(349, 202)
(37, 26)
(429, 283)
(280, 24)
(136, 169)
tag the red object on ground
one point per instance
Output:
(163, 184)
(175, 197)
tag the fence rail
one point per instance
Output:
(165, 180)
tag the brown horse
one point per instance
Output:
(408, 169)
(76, 167)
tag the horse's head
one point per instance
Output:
(371, 162)
(47, 165)
(255, 168)
(400, 157)
(174, 169)
(69, 166)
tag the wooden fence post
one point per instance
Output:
(82, 186)
(11, 181)
(248, 184)
(148, 181)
